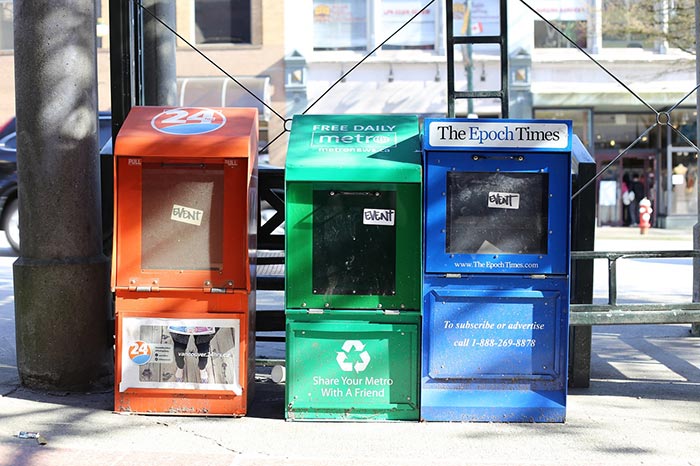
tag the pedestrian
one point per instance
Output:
(639, 193)
(627, 198)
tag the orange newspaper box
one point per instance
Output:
(183, 268)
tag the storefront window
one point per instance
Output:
(609, 197)
(685, 121)
(477, 18)
(548, 37)
(569, 16)
(580, 118)
(223, 21)
(340, 24)
(617, 131)
(680, 167)
(418, 34)
(622, 27)
(361, 25)
(684, 183)
(6, 30)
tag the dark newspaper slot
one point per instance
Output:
(353, 250)
(496, 213)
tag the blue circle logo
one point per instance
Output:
(188, 121)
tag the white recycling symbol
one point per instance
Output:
(342, 356)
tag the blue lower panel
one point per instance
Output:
(494, 349)
(493, 405)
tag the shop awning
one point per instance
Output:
(612, 95)
(224, 92)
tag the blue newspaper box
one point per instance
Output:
(496, 281)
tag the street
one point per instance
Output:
(8, 369)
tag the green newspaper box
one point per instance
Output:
(353, 265)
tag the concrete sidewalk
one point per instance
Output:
(633, 236)
(643, 407)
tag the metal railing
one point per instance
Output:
(614, 313)
(270, 256)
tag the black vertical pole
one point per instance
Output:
(582, 239)
(121, 51)
(159, 70)
(505, 94)
(695, 329)
(450, 55)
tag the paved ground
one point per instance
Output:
(643, 406)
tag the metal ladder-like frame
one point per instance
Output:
(469, 40)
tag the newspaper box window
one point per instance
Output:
(496, 204)
(185, 216)
(353, 242)
(182, 217)
(512, 220)
(182, 198)
(354, 212)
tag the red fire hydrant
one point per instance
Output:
(645, 211)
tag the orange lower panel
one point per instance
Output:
(177, 362)
(193, 403)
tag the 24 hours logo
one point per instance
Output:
(188, 121)
(140, 352)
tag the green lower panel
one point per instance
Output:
(352, 365)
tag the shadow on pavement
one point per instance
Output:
(645, 361)
(268, 402)
(642, 389)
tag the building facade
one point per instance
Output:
(365, 56)
(407, 74)
(245, 38)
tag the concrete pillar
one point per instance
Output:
(159, 70)
(61, 279)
